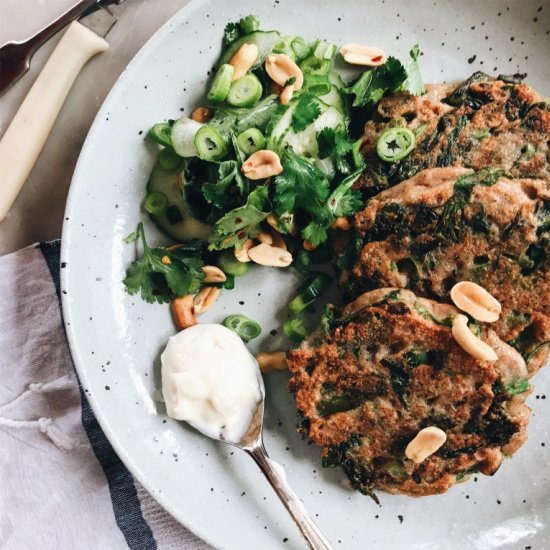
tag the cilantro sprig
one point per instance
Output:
(160, 274)
(241, 223)
(392, 76)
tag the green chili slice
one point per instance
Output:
(395, 144)
(246, 328)
(156, 203)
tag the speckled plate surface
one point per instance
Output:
(116, 339)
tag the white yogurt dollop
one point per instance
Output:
(210, 380)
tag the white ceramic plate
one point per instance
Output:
(115, 339)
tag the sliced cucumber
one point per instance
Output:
(176, 220)
(183, 136)
(304, 143)
(245, 91)
(336, 80)
(282, 127)
(334, 99)
(265, 40)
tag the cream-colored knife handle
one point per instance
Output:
(29, 129)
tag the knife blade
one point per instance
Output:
(25, 136)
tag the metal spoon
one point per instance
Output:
(252, 443)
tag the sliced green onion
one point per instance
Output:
(300, 48)
(221, 83)
(324, 50)
(229, 283)
(285, 46)
(250, 23)
(309, 292)
(395, 144)
(250, 141)
(317, 84)
(245, 91)
(161, 133)
(210, 144)
(168, 160)
(231, 266)
(315, 65)
(156, 203)
(246, 328)
(294, 329)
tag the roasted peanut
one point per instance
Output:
(205, 298)
(368, 56)
(273, 221)
(425, 443)
(469, 343)
(262, 164)
(183, 312)
(213, 274)
(166, 260)
(286, 95)
(243, 60)
(341, 223)
(242, 254)
(277, 240)
(265, 237)
(476, 301)
(202, 114)
(272, 361)
(281, 68)
(264, 254)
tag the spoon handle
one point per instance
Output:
(276, 477)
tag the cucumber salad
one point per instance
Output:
(264, 171)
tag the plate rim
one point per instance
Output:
(66, 303)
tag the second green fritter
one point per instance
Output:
(392, 397)
(447, 225)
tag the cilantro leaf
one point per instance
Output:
(241, 223)
(370, 88)
(345, 201)
(231, 32)
(218, 194)
(315, 233)
(161, 274)
(301, 184)
(414, 84)
(306, 111)
(336, 145)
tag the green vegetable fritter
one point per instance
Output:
(447, 225)
(387, 366)
(480, 123)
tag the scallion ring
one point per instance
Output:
(156, 203)
(395, 144)
(246, 328)
(294, 329)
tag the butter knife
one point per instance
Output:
(25, 136)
